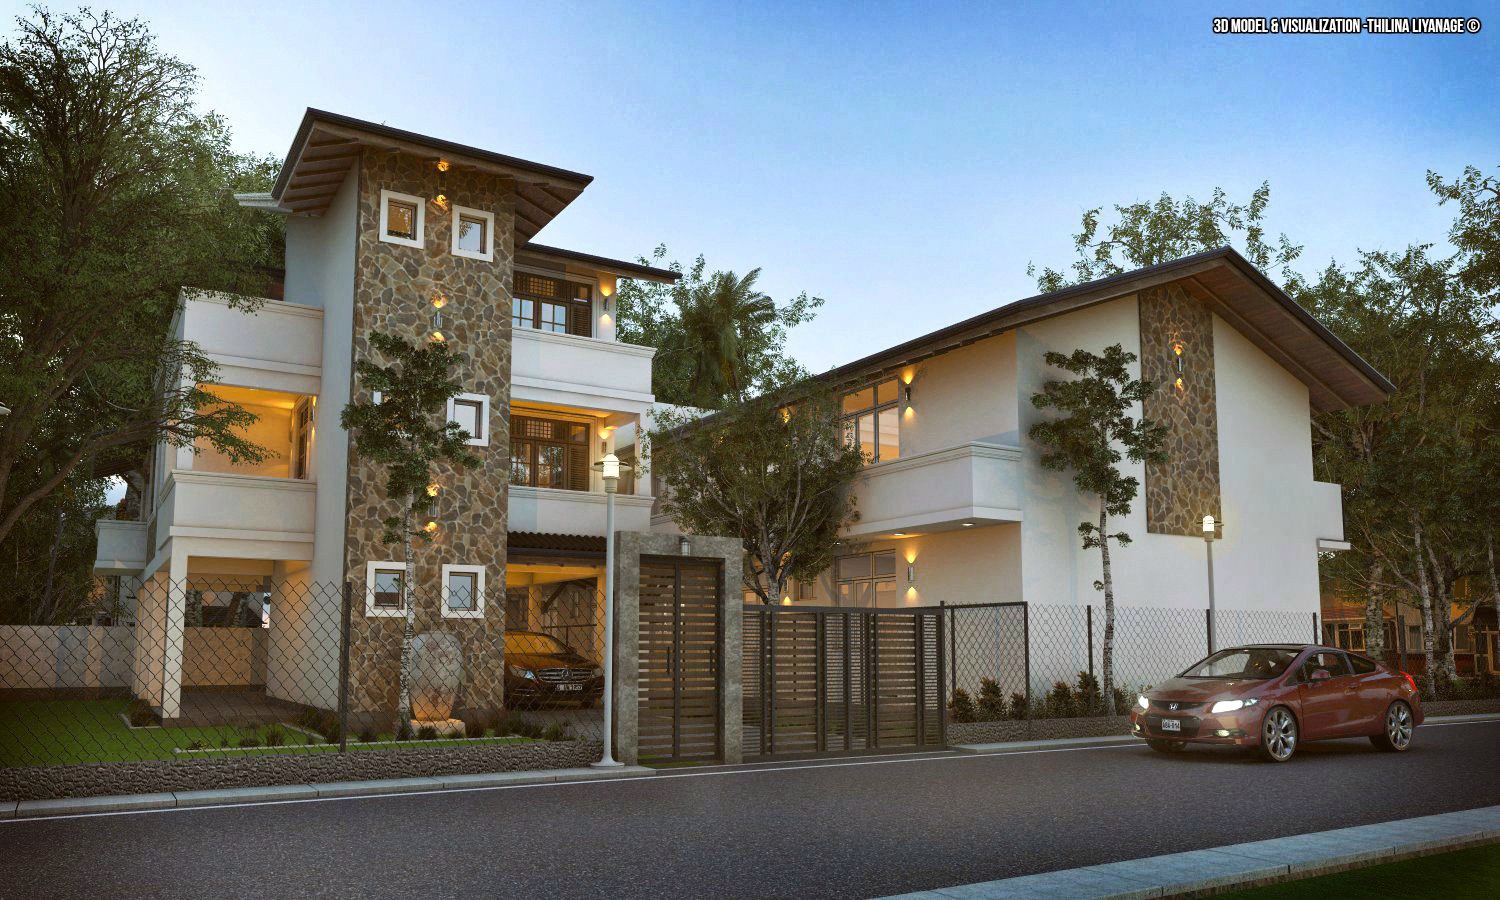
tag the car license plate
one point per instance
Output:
(1171, 724)
(570, 687)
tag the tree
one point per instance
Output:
(776, 476)
(403, 434)
(1149, 234)
(1087, 438)
(718, 338)
(114, 194)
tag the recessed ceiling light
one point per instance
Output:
(968, 524)
(900, 534)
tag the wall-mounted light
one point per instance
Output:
(444, 165)
(439, 300)
(906, 403)
(437, 337)
(432, 489)
(911, 573)
(1177, 349)
(441, 200)
(607, 294)
(430, 528)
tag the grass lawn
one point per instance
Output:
(1462, 873)
(52, 732)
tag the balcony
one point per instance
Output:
(556, 511)
(572, 371)
(278, 347)
(1327, 515)
(121, 547)
(248, 516)
(975, 483)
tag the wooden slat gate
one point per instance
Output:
(824, 680)
(681, 639)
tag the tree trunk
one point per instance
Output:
(1424, 589)
(44, 615)
(408, 628)
(1375, 614)
(1107, 654)
(1489, 549)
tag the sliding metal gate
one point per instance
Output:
(821, 680)
(681, 668)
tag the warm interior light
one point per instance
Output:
(786, 601)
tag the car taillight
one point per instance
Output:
(1410, 682)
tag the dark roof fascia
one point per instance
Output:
(897, 354)
(313, 116)
(619, 266)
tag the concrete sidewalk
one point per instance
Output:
(75, 806)
(1201, 872)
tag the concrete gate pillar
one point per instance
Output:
(630, 546)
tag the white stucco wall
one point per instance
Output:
(320, 272)
(966, 395)
(1267, 559)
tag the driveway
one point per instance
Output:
(847, 828)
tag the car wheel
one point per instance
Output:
(1166, 746)
(1278, 735)
(1397, 734)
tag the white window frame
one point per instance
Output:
(478, 611)
(488, 254)
(421, 204)
(387, 565)
(484, 415)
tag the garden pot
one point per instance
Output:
(437, 675)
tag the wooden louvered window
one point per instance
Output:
(549, 453)
(552, 304)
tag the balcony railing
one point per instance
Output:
(574, 512)
(253, 507)
(976, 483)
(580, 371)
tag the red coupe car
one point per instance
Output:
(1276, 696)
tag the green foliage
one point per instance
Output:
(115, 193)
(1476, 229)
(274, 736)
(1017, 708)
(991, 701)
(1095, 422)
(141, 715)
(517, 724)
(1147, 234)
(427, 733)
(404, 731)
(248, 742)
(406, 432)
(555, 732)
(718, 338)
(776, 476)
(961, 707)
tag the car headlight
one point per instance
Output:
(1142, 702)
(522, 673)
(1228, 706)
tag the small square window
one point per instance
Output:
(402, 218)
(385, 585)
(463, 591)
(473, 233)
(471, 412)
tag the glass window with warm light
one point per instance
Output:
(549, 453)
(871, 420)
(401, 220)
(552, 304)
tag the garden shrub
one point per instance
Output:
(1018, 706)
(366, 736)
(196, 745)
(555, 732)
(1060, 702)
(427, 733)
(141, 715)
(961, 706)
(249, 742)
(275, 735)
(403, 732)
(475, 725)
(991, 701)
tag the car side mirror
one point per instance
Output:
(1319, 675)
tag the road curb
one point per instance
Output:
(1124, 739)
(1200, 873)
(293, 793)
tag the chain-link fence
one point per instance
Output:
(235, 668)
(1029, 660)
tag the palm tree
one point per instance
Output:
(719, 318)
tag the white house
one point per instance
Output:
(407, 234)
(956, 508)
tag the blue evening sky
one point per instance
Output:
(904, 161)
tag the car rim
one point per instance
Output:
(1398, 726)
(1281, 734)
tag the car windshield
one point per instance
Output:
(1252, 662)
(532, 642)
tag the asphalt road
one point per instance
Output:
(857, 828)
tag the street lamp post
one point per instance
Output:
(1208, 542)
(610, 467)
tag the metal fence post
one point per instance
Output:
(345, 614)
(1026, 643)
(1208, 620)
(1316, 634)
(1089, 625)
(942, 695)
